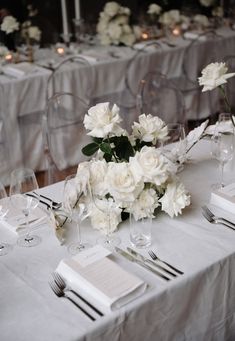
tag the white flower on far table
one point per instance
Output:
(103, 121)
(201, 20)
(9, 24)
(214, 75)
(174, 199)
(145, 204)
(218, 12)
(34, 33)
(111, 8)
(149, 165)
(207, 3)
(149, 129)
(3, 51)
(170, 18)
(154, 9)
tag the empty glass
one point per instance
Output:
(77, 212)
(4, 209)
(140, 232)
(23, 180)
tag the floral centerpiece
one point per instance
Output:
(113, 26)
(127, 168)
(172, 18)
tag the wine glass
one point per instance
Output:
(222, 145)
(77, 212)
(23, 180)
(105, 210)
(4, 209)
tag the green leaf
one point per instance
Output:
(107, 157)
(106, 148)
(123, 148)
(90, 149)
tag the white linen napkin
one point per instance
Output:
(103, 282)
(193, 36)
(19, 70)
(15, 220)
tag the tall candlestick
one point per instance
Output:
(77, 9)
(64, 18)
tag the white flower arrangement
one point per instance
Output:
(113, 26)
(174, 17)
(9, 24)
(207, 3)
(154, 9)
(129, 174)
(201, 20)
(30, 33)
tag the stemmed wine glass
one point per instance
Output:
(23, 180)
(77, 212)
(5, 248)
(222, 145)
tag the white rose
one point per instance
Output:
(111, 8)
(82, 179)
(128, 39)
(34, 33)
(102, 26)
(201, 19)
(9, 24)
(149, 129)
(114, 31)
(121, 20)
(99, 219)
(125, 10)
(207, 3)
(98, 170)
(103, 121)
(3, 51)
(145, 204)
(150, 165)
(104, 39)
(218, 12)
(174, 199)
(122, 183)
(214, 75)
(137, 31)
(154, 9)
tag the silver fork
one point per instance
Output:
(61, 293)
(155, 257)
(211, 215)
(63, 286)
(54, 204)
(216, 221)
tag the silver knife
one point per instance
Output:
(136, 260)
(149, 261)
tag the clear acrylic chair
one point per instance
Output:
(205, 49)
(158, 96)
(64, 134)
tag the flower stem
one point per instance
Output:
(228, 107)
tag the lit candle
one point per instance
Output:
(8, 57)
(77, 9)
(144, 35)
(60, 51)
(176, 31)
(64, 18)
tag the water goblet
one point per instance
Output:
(5, 248)
(23, 180)
(77, 212)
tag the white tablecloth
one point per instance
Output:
(23, 100)
(198, 306)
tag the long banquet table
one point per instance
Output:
(197, 306)
(23, 100)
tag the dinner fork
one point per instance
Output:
(155, 257)
(215, 221)
(54, 204)
(216, 218)
(63, 286)
(61, 293)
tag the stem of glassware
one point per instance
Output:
(79, 232)
(27, 236)
(222, 174)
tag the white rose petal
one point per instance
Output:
(214, 75)
(98, 171)
(145, 204)
(174, 199)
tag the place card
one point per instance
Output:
(224, 198)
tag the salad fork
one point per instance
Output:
(214, 217)
(155, 257)
(63, 286)
(61, 293)
(216, 220)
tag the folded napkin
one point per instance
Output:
(15, 220)
(223, 127)
(90, 59)
(19, 70)
(102, 282)
(145, 45)
(193, 36)
(224, 198)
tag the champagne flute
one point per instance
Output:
(23, 180)
(77, 212)
(5, 248)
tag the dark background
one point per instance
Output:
(49, 12)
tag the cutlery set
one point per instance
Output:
(206, 212)
(48, 202)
